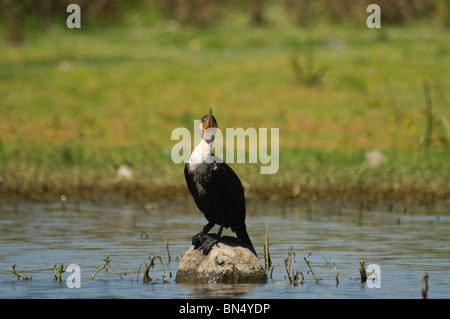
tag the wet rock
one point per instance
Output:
(227, 262)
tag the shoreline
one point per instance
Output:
(265, 193)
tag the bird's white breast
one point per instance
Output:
(199, 163)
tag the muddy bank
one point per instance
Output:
(266, 192)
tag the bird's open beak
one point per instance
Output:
(209, 122)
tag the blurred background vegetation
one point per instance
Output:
(17, 15)
(77, 105)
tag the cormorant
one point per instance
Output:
(216, 189)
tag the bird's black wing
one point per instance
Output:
(192, 188)
(232, 191)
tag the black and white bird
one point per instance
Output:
(216, 189)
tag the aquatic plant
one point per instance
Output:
(13, 270)
(146, 278)
(295, 278)
(336, 275)
(362, 270)
(105, 266)
(310, 268)
(425, 287)
(59, 270)
(167, 248)
(267, 260)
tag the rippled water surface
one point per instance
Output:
(406, 241)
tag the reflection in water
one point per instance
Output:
(405, 240)
(218, 290)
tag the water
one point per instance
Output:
(406, 241)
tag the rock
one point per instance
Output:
(124, 173)
(375, 158)
(227, 262)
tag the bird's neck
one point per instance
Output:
(202, 153)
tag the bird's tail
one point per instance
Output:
(242, 235)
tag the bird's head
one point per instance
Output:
(208, 126)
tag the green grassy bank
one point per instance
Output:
(75, 105)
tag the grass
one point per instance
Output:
(75, 105)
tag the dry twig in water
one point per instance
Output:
(167, 248)
(310, 268)
(267, 260)
(146, 279)
(425, 287)
(287, 264)
(336, 274)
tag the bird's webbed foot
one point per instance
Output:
(205, 242)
